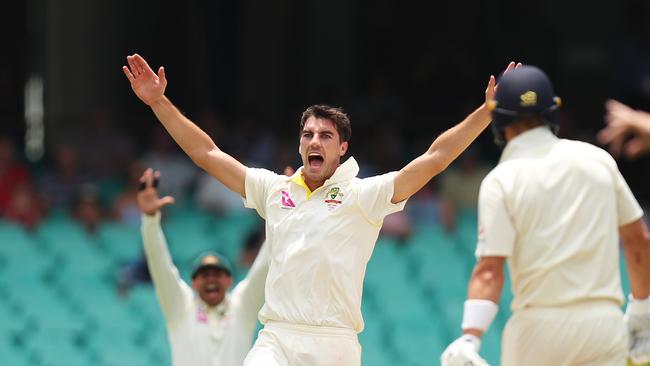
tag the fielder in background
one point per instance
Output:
(206, 325)
(627, 130)
(321, 224)
(554, 209)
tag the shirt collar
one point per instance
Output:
(534, 137)
(346, 171)
(220, 309)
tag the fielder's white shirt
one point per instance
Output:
(200, 335)
(319, 242)
(553, 207)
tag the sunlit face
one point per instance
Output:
(321, 150)
(211, 285)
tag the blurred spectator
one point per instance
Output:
(424, 206)
(210, 194)
(381, 151)
(286, 159)
(12, 172)
(132, 273)
(380, 117)
(87, 208)
(262, 149)
(379, 105)
(398, 226)
(460, 187)
(125, 206)
(25, 207)
(178, 170)
(215, 197)
(105, 152)
(61, 183)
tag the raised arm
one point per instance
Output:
(445, 149)
(150, 88)
(173, 293)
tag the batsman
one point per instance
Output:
(554, 211)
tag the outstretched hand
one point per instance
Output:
(623, 122)
(491, 89)
(148, 199)
(147, 85)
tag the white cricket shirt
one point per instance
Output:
(553, 207)
(319, 242)
(200, 335)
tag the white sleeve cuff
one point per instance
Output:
(479, 314)
(151, 219)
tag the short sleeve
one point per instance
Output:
(258, 184)
(627, 207)
(496, 231)
(374, 197)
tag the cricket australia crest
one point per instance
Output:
(333, 198)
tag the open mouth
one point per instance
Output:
(315, 160)
(211, 289)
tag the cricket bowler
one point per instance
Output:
(321, 223)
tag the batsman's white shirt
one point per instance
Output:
(319, 242)
(200, 335)
(553, 207)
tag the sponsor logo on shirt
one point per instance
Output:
(201, 317)
(286, 202)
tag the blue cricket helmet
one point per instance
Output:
(522, 93)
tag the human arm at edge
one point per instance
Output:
(486, 283)
(173, 293)
(636, 243)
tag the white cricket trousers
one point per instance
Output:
(286, 344)
(589, 333)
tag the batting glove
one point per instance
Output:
(463, 352)
(637, 318)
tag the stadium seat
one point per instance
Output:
(376, 341)
(123, 242)
(57, 347)
(412, 304)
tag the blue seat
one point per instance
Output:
(419, 344)
(57, 347)
(123, 242)
(375, 340)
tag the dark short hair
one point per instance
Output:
(334, 114)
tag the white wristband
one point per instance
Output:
(479, 314)
(637, 306)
